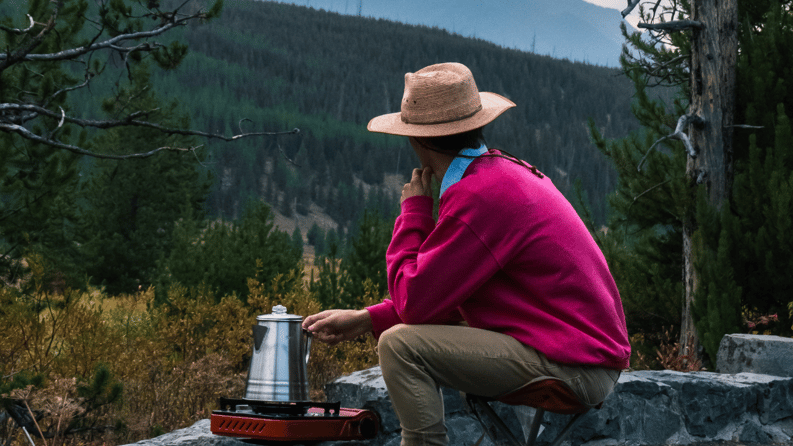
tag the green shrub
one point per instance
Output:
(224, 255)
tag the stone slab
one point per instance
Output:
(646, 408)
(769, 355)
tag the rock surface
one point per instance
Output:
(770, 355)
(198, 434)
(646, 407)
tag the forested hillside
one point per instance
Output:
(283, 66)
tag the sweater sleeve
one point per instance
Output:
(432, 269)
(418, 213)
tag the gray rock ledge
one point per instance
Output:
(737, 406)
(646, 408)
(770, 355)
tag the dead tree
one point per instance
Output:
(714, 52)
(709, 121)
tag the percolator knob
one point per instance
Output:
(279, 309)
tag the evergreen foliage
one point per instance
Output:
(284, 66)
(51, 119)
(328, 288)
(297, 240)
(747, 251)
(130, 206)
(280, 67)
(224, 255)
(717, 303)
(37, 182)
(100, 391)
(643, 245)
(316, 238)
(742, 250)
(366, 258)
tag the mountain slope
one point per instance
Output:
(564, 29)
(284, 66)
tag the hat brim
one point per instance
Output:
(493, 105)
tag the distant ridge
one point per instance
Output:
(563, 29)
(282, 66)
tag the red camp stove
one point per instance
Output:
(261, 421)
(276, 407)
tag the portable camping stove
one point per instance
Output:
(276, 406)
(304, 421)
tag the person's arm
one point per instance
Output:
(432, 270)
(413, 227)
(384, 316)
(334, 326)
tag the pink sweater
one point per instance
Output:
(508, 254)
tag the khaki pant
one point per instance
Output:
(417, 359)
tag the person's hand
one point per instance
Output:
(334, 326)
(420, 184)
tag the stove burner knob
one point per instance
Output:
(368, 428)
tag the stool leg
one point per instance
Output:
(535, 426)
(475, 404)
(564, 432)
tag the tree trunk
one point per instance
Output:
(714, 50)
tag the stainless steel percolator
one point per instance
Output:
(278, 370)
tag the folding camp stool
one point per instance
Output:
(549, 394)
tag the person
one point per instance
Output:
(508, 285)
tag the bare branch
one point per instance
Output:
(88, 78)
(111, 43)
(648, 190)
(20, 54)
(17, 30)
(631, 4)
(25, 133)
(746, 126)
(14, 117)
(286, 157)
(63, 117)
(131, 121)
(678, 134)
(34, 110)
(677, 25)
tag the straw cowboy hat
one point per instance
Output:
(440, 100)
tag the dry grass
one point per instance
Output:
(174, 361)
(666, 355)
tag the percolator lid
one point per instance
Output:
(278, 314)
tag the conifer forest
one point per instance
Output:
(148, 148)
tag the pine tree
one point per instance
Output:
(748, 252)
(297, 240)
(223, 256)
(131, 205)
(42, 132)
(328, 288)
(316, 238)
(366, 258)
(742, 250)
(38, 182)
(643, 245)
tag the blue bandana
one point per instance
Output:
(457, 168)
